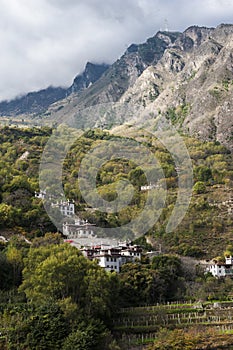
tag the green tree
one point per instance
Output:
(61, 271)
(137, 177)
(202, 173)
(7, 215)
(48, 239)
(169, 268)
(6, 273)
(88, 337)
(29, 327)
(140, 285)
(199, 187)
(47, 328)
(15, 258)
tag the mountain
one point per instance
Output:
(37, 102)
(117, 79)
(33, 102)
(192, 85)
(124, 72)
(185, 78)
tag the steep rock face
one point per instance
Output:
(192, 84)
(192, 37)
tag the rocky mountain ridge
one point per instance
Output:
(185, 78)
(193, 88)
(117, 79)
(33, 102)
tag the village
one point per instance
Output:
(112, 254)
(109, 252)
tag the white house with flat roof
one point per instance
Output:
(149, 187)
(221, 269)
(109, 262)
(41, 194)
(78, 229)
(112, 258)
(66, 207)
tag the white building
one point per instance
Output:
(132, 252)
(109, 258)
(79, 229)
(149, 187)
(112, 258)
(109, 263)
(216, 269)
(66, 207)
(221, 269)
(41, 194)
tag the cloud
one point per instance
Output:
(48, 42)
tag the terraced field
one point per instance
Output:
(140, 325)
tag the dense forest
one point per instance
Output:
(51, 296)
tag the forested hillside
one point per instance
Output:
(51, 296)
(207, 224)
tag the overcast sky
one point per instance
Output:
(48, 42)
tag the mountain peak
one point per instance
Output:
(193, 36)
(37, 102)
(92, 72)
